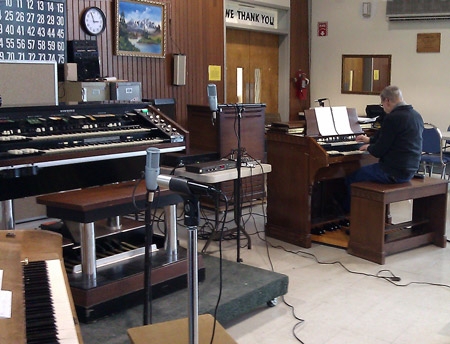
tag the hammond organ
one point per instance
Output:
(45, 149)
(306, 186)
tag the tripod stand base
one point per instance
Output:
(177, 332)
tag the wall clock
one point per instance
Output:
(93, 21)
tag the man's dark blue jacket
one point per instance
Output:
(399, 143)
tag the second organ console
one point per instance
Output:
(306, 188)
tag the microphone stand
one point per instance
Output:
(148, 259)
(237, 183)
(191, 221)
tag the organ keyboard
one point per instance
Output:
(315, 166)
(42, 306)
(47, 131)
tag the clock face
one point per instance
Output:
(93, 21)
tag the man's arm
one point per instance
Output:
(385, 139)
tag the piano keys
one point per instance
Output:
(42, 309)
(47, 310)
(306, 171)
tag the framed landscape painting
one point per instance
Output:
(140, 28)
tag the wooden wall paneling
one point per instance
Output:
(69, 19)
(136, 66)
(196, 29)
(184, 45)
(299, 53)
(215, 53)
(211, 44)
(102, 43)
(76, 22)
(109, 38)
(160, 84)
(172, 46)
(144, 75)
(194, 60)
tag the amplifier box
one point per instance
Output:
(126, 91)
(211, 166)
(181, 159)
(83, 91)
(85, 54)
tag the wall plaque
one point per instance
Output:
(33, 30)
(428, 42)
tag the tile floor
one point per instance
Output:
(340, 307)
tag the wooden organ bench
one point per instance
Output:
(99, 283)
(372, 239)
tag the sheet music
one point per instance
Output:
(1, 279)
(325, 121)
(341, 121)
(5, 303)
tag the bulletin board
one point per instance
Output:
(33, 30)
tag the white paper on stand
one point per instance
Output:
(325, 121)
(1, 279)
(341, 121)
(5, 303)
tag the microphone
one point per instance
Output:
(183, 186)
(152, 168)
(212, 100)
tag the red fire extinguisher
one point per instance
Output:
(301, 82)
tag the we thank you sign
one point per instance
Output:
(251, 15)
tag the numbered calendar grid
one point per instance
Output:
(32, 30)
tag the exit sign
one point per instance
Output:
(322, 29)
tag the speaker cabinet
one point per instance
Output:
(85, 54)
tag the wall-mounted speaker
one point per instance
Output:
(179, 69)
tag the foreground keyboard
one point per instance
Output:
(48, 314)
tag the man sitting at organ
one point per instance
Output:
(398, 144)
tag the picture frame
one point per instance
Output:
(140, 28)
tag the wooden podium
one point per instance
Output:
(222, 138)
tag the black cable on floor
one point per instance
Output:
(300, 321)
(391, 279)
(220, 267)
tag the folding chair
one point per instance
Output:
(432, 150)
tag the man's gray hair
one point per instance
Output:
(393, 93)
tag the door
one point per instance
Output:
(252, 68)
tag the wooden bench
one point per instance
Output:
(372, 239)
(82, 209)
